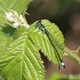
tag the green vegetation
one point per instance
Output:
(20, 44)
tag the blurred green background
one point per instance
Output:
(65, 14)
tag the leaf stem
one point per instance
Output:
(72, 54)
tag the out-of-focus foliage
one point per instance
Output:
(47, 8)
(58, 76)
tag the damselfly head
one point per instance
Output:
(38, 23)
(40, 26)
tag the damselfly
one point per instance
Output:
(53, 41)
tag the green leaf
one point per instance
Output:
(6, 36)
(4, 42)
(21, 60)
(41, 40)
(16, 5)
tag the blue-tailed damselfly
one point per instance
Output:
(52, 40)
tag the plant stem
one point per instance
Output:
(72, 54)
